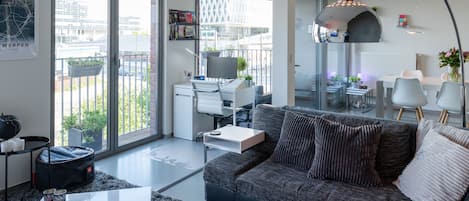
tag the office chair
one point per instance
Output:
(209, 101)
(408, 93)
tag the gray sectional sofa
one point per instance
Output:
(252, 176)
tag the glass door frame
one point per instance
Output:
(113, 78)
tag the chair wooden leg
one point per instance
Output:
(417, 114)
(401, 112)
(445, 117)
(441, 116)
(421, 113)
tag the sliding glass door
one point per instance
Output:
(105, 72)
(137, 70)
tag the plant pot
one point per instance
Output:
(355, 85)
(94, 140)
(83, 71)
(454, 73)
(211, 54)
(249, 83)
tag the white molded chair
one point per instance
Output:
(409, 74)
(408, 94)
(449, 99)
(209, 100)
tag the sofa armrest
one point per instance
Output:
(224, 170)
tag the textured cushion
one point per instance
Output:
(345, 153)
(223, 170)
(271, 181)
(296, 145)
(424, 127)
(326, 190)
(457, 135)
(269, 119)
(304, 110)
(397, 144)
(439, 170)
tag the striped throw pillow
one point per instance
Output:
(295, 147)
(345, 153)
(439, 171)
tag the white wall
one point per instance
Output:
(25, 92)
(175, 62)
(428, 16)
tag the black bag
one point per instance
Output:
(69, 167)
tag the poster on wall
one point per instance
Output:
(18, 34)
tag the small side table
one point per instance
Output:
(364, 96)
(233, 139)
(31, 144)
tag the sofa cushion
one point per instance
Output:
(323, 190)
(296, 145)
(269, 119)
(439, 170)
(223, 171)
(271, 181)
(397, 144)
(345, 153)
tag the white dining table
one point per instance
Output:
(385, 85)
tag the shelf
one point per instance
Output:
(184, 23)
(183, 39)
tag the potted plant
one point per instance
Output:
(248, 80)
(451, 60)
(210, 52)
(355, 81)
(242, 65)
(88, 132)
(84, 67)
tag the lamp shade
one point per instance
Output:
(347, 21)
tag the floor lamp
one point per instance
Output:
(350, 21)
(461, 62)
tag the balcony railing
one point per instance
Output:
(259, 65)
(76, 93)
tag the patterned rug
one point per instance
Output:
(102, 182)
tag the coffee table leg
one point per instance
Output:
(48, 165)
(205, 154)
(6, 177)
(31, 167)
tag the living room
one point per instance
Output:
(129, 92)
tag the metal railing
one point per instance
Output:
(259, 65)
(76, 93)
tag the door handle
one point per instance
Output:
(183, 95)
(297, 65)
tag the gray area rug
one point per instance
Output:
(102, 182)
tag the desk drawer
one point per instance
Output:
(183, 92)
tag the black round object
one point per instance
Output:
(9, 127)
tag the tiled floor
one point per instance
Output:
(160, 163)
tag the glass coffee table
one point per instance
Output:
(130, 194)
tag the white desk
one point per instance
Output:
(185, 109)
(385, 85)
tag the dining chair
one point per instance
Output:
(409, 74)
(448, 99)
(408, 94)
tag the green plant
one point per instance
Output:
(336, 78)
(354, 79)
(85, 62)
(248, 77)
(210, 49)
(91, 121)
(242, 64)
(451, 58)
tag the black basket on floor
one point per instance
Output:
(69, 167)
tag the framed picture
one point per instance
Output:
(18, 29)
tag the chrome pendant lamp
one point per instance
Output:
(347, 21)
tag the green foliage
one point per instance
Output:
(451, 58)
(354, 79)
(336, 78)
(90, 121)
(248, 77)
(242, 64)
(85, 62)
(210, 49)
